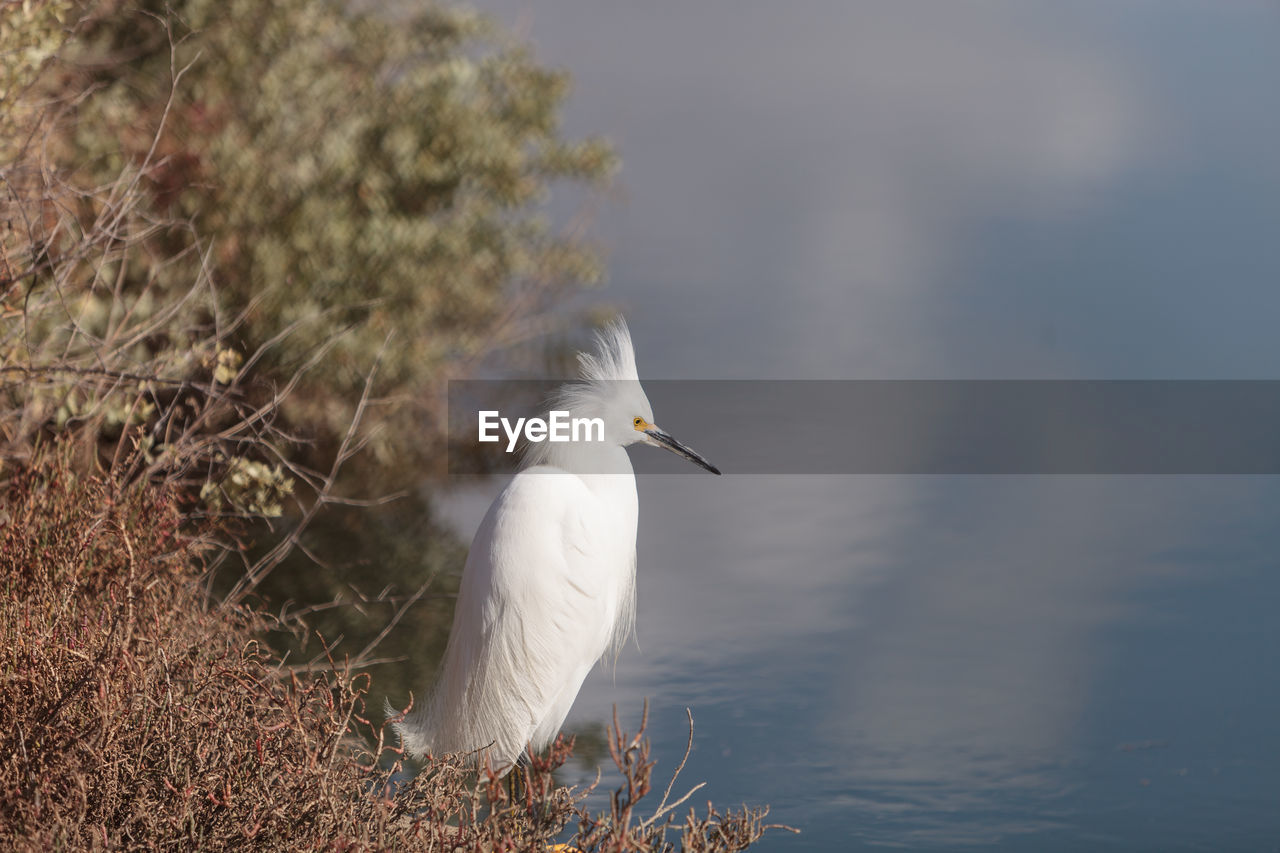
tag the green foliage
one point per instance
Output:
(249, 487)
(362, 176)
(31, 32)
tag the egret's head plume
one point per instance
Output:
(614, 358)
(608, 388)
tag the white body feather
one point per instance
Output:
(544, 595)
(549, 584)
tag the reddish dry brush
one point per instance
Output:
(137, 716)
(140, 715)
(134, 712)
(621, 829)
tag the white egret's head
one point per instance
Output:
(609, 389)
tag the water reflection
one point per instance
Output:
(965, 691)
(953, 660)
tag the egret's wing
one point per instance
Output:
(556, 596)
(534, 613)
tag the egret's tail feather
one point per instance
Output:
(409, 729)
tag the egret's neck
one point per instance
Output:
(606, 471)
(587, 458)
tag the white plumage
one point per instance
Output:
(549, 584)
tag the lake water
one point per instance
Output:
(947, 191)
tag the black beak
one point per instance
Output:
(674, 446)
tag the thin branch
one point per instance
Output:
(395, 620)
(277, 554)
(663, 808)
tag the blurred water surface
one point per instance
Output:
(947, 190)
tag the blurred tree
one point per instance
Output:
(185, 183)
(360, 175)
(30, 34)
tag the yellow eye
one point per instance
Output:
(639, 423)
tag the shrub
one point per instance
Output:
(353, 184)
(137, 716)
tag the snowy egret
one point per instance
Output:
(549, 585)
